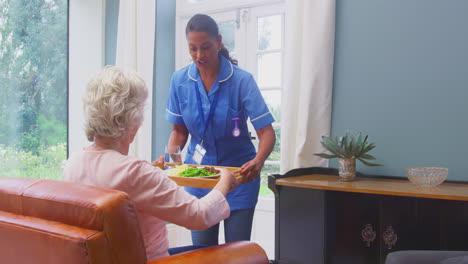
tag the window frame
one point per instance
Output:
(85, 58)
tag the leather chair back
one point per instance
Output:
(45, 221)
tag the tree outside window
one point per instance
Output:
(33, 85)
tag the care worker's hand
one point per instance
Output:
(251, 170)
(227, 182)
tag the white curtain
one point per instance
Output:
(307, 93)
(135, 51)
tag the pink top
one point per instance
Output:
(157, 198)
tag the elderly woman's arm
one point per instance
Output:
(155, 194)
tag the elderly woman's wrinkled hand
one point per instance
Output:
(159, 162)
(227, 181)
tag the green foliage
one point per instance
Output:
(30, 141)
(33, 87)
(276, 113)
(33, 72)
(264, 190)
(276, 149)
(267, 170)
(349, 146)
(47, 164)
(52, 131)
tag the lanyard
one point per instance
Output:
(200, 110)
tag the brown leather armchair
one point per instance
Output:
(46, 221)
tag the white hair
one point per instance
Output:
(113, 103)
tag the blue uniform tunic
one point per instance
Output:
(238, 97)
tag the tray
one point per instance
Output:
(204, 182)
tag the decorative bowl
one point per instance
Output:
(427, 176)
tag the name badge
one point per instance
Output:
(199, 154)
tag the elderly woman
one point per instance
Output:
(113, 106)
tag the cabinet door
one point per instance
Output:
(428, 232)
(398, 224)
(299, 226)
(409, 224)
(454, 226)
(352, 228)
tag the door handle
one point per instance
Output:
(368, 235)
(390, 237)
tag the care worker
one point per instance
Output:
(211, 99)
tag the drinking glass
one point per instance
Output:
(172, 156)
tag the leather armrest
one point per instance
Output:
(241, 252)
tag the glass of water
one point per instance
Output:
(172, 156)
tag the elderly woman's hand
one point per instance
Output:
(227, 182)
(159, 162)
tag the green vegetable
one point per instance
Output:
(196, 172)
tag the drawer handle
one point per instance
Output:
(368, 235)
(389, 237)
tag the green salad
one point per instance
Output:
(185, 171)
(195, 172)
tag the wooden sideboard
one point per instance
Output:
(319, 219)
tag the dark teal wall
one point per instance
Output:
(164, 57)
(401, 76)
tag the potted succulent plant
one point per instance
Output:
(347, 149)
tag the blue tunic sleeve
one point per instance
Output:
(255, 105)
(173, 112)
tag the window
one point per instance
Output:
(253, 32)
(269, 62)
(33, 85)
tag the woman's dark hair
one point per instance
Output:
(204, 23)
